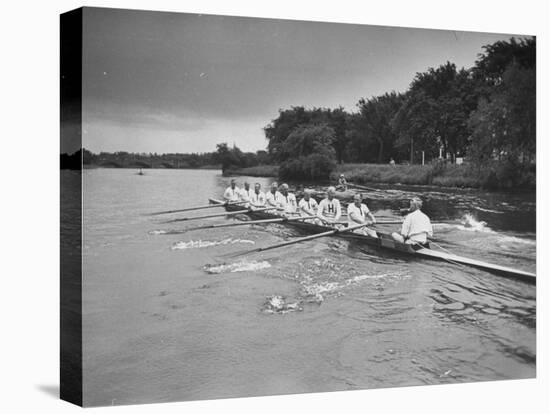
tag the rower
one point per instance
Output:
(417, 226)
(342, 183)
(307, 205)
(257, 199)
(246, 193)
(287, 200)
(232, 192)
(359, 213)
(329, 210)
(273, 196)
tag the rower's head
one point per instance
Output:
(357, 199)
(415, 204)
(307, 195)
(257, 188)
(284, 189)
(233, 183)
(331, 192)
(274, 187)
(246, 185)
(342, 176)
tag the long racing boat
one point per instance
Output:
(385, 241)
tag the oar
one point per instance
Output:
(362, 187)
(158, 213)
(232, 213)
(240, 223)
(301, 239)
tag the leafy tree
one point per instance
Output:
(374, 122)
(308, 153)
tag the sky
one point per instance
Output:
(175, 82)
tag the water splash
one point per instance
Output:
(199, 244)
(278, 304)
(242, 266)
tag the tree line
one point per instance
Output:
(486, 113)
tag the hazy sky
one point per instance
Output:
(171, 82)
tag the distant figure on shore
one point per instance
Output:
(392, 161)
(232, 192)
(417, 226)
(342, 183)
(140, 172)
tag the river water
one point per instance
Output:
(167, 318)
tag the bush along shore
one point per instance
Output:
(491, 176)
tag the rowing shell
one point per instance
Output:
(386, 241)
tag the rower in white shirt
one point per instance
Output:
(329, 210)
(232, 192)
(246, 193)
(272, 197)
(307, 205)
(287, 200)
(359, 213)
(257, 199)
(417, 226)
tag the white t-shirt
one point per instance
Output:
(257, 200)
(245, 195)
(357, 215)
(231, 194)
(416, 227)
(329, 209)
(309, 207)
(272, 199)
(288, 202)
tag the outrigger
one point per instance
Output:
(385, 241)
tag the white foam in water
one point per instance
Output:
(157, 232)
(242, 266)
(516, 240)
(199, 244)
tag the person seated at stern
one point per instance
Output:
(342, 183)
(359, 213)
(257, 199)
(417, 226)
(329, 210)
(232, 193)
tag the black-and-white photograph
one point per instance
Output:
(279, 206)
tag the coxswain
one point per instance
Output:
(307, 205)
(272, 198)
(287, 200)
(257, 199)
(232, 193)
(329, 210)
(416, 227)
(359, 213)
(342, 183)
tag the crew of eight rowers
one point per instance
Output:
(416, 227)
(283, 202)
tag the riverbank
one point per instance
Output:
(440, 175)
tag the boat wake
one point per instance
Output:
(199, 244)
(243, 266)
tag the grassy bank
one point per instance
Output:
(257, 171)
(445, 175)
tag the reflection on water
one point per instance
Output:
(168, 318)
